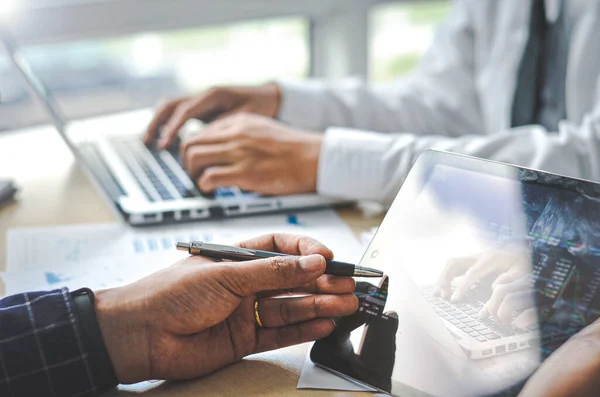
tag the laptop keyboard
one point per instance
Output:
(159, 172)
(465, 316)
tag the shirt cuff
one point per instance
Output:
(302, 104)
(351, 164)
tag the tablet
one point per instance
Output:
(489, 268)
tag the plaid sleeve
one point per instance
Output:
(41, 348)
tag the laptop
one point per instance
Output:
(489, 269)
(146, 186)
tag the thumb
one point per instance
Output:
(275, 273)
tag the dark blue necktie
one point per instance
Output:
(540, 91)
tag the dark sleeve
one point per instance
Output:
(42, 349)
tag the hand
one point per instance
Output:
(198, 315)
(514, 295)
(508, 265)
(571, 371)
(216, 103)
(253, 153)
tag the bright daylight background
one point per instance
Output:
(97, 76)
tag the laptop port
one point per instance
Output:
(512, 346)
(233, 208)
(487, 352)
(149, 217)
(500, 349)
(258, 206)
(168, 215)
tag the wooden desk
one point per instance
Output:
(56, 191)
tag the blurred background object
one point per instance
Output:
(101, 56)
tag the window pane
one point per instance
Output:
(100, 76)
(400, 35)
(16, 106)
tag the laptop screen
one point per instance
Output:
(490, 268)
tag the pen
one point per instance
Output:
(218, 251)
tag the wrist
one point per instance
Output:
(123, 329)
(312, 153)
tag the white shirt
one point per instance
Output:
(459, 99)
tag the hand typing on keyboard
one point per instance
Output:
(254, 153)
(516, 296)
(503, 273)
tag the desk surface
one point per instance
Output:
(56, 191)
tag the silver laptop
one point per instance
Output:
(145, 185)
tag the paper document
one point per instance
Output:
(106, 255)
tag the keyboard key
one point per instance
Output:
(481, 339)
(480, 328)
(493, 336)
(504, 331)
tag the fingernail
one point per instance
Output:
(311, 263)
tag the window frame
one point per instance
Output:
(339, 29)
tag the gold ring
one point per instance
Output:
(256, 315)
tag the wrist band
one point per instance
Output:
(101, 367)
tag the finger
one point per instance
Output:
(491, 306)
(181, 114)
(214, 133)
(527, 318)
(454, 268)
(197, 158)
(163, 112)
(507, 278)
(272, 274)
(326, 284)
(514, 301)
(203, 108)
(275, 338)
(220, 175)
(208, 136)
(277, 312)
(287, 244)
(499, 294)
(484, 266)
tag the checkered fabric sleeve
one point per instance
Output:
(42, 351)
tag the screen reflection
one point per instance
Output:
(487, 276)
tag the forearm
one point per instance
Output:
(407, 105)
(45, 348)
(366, 165)
(571, 371)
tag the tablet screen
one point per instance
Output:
(489, 269)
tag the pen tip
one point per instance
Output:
(367, 272)
(183, 246)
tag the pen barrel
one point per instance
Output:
(339, 269)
